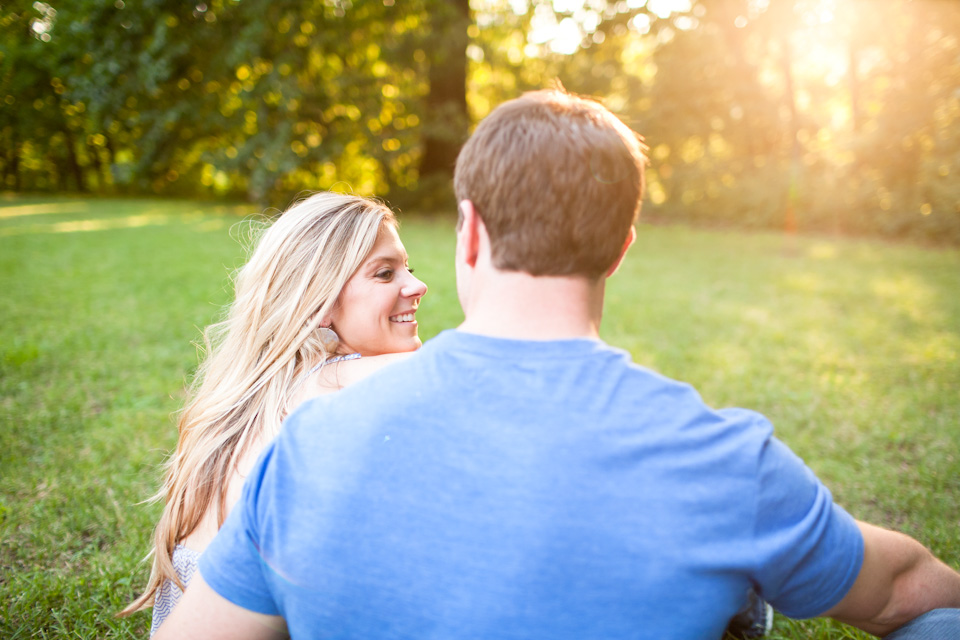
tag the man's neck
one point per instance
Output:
(511, 304)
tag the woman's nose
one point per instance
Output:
(414, 287)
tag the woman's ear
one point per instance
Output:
(316, 320)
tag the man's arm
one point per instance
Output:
(899, 580)
(203, 613)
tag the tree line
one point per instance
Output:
(829, 115)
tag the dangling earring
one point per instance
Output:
(329, 339)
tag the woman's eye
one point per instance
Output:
(409, 269)
(386, 274)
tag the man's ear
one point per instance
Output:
(631, 237)
(468, 235)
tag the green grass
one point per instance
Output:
(850, 347)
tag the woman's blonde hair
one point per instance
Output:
(257, 355)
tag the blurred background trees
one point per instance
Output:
(828, 115)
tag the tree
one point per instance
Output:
(839, 115)
(445, 128)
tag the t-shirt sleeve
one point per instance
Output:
(232, 564)
(811, 550)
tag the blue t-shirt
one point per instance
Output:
(491, 488)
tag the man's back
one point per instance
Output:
(529, 489)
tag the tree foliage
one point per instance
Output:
(836, 115)
(255, 98)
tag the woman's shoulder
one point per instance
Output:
(343, 371)
(357, 369)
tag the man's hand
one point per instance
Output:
(899, 580)
(203, 613)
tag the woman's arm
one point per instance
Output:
(203, 613)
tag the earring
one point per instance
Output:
(329, 339)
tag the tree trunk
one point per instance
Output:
(73, 160)
(110, 150)
(445, 125)
(97, 167)
(15, 163)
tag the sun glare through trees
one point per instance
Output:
(827, 115)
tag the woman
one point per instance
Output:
(327, 283)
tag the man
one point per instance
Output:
(518, 478)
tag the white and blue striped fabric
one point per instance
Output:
(185, 563)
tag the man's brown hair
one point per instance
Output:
(557, 180)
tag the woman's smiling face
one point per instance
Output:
(375, 313)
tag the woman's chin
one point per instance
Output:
(399, 346)
(412, 345)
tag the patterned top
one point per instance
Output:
(185, 563)
(185, 560)
(334, 360)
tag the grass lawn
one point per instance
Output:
(850, 347)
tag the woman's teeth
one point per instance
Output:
(403, 317)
